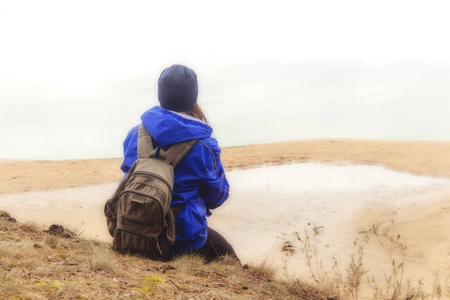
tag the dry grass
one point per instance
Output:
(264, 270)
(352, 283)
(37, 265)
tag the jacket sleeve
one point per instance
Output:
(130, 150)
(215, 189)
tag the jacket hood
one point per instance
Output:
(168, 127)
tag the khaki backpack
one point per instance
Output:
(139, 216)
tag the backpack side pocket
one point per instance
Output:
(110, 211)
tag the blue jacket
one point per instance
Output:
(200, 182)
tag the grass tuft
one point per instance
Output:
(263, 270)
(104, 261)
(30, 227)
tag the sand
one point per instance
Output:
(269, 205)
(345, 189)
(423, 158)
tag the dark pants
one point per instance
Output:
(216, 246)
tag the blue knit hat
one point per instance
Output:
(177, 88)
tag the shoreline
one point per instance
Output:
(416, 157)
(347, 188)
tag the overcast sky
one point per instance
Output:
(67, 67)
(86, 40)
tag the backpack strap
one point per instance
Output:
(172, 156)
(145, 144)
(178, 151)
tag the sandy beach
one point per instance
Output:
(421, 158)
(341, 189)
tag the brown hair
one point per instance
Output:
(196, 112)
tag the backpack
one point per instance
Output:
(139, 216)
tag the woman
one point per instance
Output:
(200, 182)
